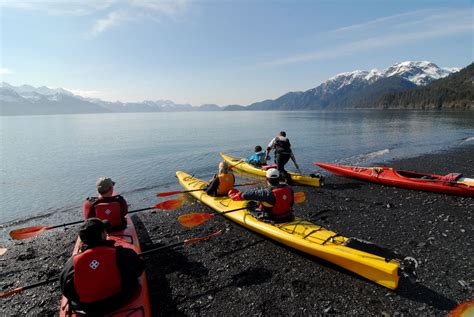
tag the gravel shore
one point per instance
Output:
(242, 273)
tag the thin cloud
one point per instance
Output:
(4, 71)
(383, 20)
(434, 24)
(112, 19)
(138, 10)
(59, 7)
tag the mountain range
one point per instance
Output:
(356, 89)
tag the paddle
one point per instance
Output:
(165, 194)
(2, 251)
(54, 279)
(196, 219)
(29, 232)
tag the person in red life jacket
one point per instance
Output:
(276, 200)
(281, 145)
(102, 277)
(107, 206)
(222, 182)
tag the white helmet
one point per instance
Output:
(273, 173)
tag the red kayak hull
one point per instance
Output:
(139, 304)
(399, 178)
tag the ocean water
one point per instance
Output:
(49, 164)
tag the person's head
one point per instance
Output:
(283, 133)
(105, 186)
(92, 231)
(273, 176)
(223, 167)
(258, 148)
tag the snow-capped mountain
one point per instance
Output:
(419, 73)
(26, 99)
(28, 91)
(359, 87)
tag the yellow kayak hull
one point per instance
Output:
(241, 165)
(302, 235)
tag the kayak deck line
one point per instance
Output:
(309, 238)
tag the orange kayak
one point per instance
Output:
(452, 184)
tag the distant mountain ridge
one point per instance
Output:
(356, 89)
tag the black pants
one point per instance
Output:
(281, 159)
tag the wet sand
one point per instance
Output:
(242, 273)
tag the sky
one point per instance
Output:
(221, 52)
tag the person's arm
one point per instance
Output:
(212, 187)
(66, 281)
(87, 211)
(269, 148)
(129, 263)
(259, 194)
(123, 206)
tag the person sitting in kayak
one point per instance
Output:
(102, 277)
(222, 182)
(107, 206)
(276, 200)
(257, 159)
(281, 145)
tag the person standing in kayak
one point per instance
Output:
(222, 182)
(281, 145)
(102, 277)
(107, 206)
(259, 158)
(276, 200)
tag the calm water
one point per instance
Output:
(50, 163)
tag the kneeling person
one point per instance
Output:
(102, 277)
(107, 206)
(276, 200)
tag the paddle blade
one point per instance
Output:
(16, 290)
(25, 233)
(193, 220)
(299, 197)
(3, 251)
(169, 204)
(166, 194)
(204, 238)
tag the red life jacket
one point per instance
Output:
(283, 201)
(109, 208)
(109, 211)
(96, 275)
(226, 183)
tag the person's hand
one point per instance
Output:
(235, 195)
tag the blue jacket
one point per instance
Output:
(257, 159)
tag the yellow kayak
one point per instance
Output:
(240, 164)
(312, 239)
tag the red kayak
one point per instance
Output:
(452, 184)
(139, 304)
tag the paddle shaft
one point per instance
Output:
(187, 241)
(80, 221)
